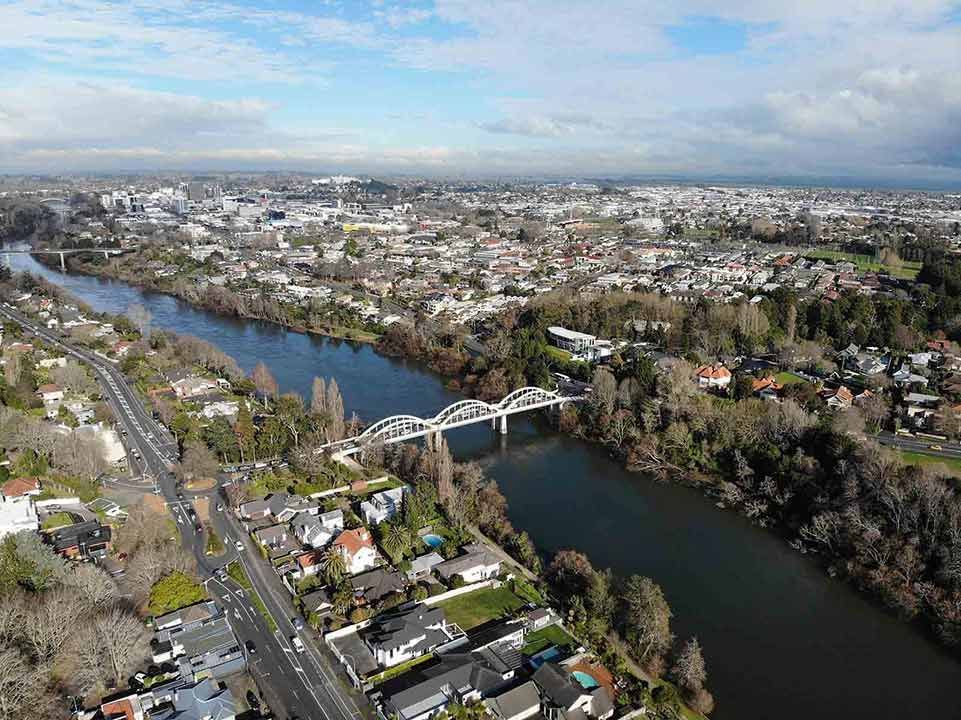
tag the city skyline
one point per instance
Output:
(453, 89)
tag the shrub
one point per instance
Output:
(173, 592)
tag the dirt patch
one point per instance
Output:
(202, 506)
(201, 484)
(155, 503)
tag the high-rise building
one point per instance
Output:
(196, 192)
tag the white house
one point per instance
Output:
(476, 564)
(383, 505)
(17, 514)
(713, 376)
(357, 549)
(318, 531)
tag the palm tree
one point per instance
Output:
(397, 540)
(343, 600)
(333, 566)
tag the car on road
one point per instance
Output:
(253, 700)
(180, 496)
(935, 447)
(199, 528)
(251, 648)
(297, 623)
(220, 507)
(239, 545)
(297, 643)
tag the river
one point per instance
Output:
(782, 640)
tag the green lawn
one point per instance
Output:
(56, 520)
(788, 378)
(480, 606)
(544, 638)
(557, 354)
(868, 263)
(916, 458)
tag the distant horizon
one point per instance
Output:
(849, 94)
(849, 183)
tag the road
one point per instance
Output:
(919, 445)
(295, 685)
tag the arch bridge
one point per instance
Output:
(400, 428)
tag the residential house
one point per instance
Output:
(190, 615)
(357, 549)
(421, 567)
(713, 376)
(317, 531)
(400, 636)
(564, 698)
(193, 386)
(476, 563)
(766, 388)
(383, 505)
(87, 540)
(20, 487)
(204, 700)
(50, 393)
(459, 678)
(202, 647)
(839, 397)
(17, 514)
(317, 602)
(279, 506)
(377, 585)
(520, 703)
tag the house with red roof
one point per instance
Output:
(20, 487)
(357, 549)
(713, 376)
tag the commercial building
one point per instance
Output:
(570, 340)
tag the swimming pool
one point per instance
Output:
(434, 541)
(586, 681)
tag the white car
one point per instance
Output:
(297, 643)
(239, 545)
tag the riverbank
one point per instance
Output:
(789, 637)
(113, 271)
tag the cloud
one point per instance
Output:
(857, 88)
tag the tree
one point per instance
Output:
(689, 670)
(335, 412)
(397, 539)
(221, 438)
(140, 317)
(333, 566)
(647, 618)
(27, 561)
(74, 379)
(176, 590)
(604, 394)
(264, 382)
(318, 399)
(198, 462)
(245, 432)
(289, 409)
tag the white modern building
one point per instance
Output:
(16, 515)
(570, 340)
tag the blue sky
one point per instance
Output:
(864, 88)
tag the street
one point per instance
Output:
(295, 685)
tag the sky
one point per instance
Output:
(866, 89)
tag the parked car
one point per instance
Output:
(251, 648)
(298, 623)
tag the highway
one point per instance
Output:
(907, 443)
(299, 686)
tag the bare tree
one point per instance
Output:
(20, 682)
(264, 382)
(92, 585)
(689, 670)
(141, 317)
(50, 622)
(604, 394)
(74, 378)
(335, 412)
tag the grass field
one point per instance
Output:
(788, 378)
(542, 639)
(868, 263)
(557, 353)
(478, 607)
(56, 520)
(916, 458)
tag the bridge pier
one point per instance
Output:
(63, 263)
(501, 424)
(106, 255)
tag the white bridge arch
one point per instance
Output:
(399, 428)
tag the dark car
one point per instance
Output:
(253, 700)
(251, 648)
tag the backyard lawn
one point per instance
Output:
(788, 378)
(478, 607)
(544, 638)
